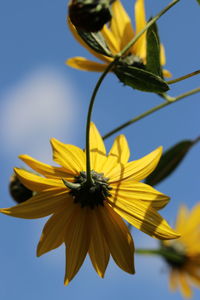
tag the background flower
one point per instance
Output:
(185, 273)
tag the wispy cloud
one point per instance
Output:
(41, 105)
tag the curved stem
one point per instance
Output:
(150, 111)
(87, 147)
(117, 57)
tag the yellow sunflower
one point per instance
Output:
(117, 36)
(186, 271)
(88, 219)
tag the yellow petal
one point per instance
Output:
(111, 40)
(119, 154)
(37, 183)
(162, 55)
(144, 217)
(84, 64)
(119, 23)
(70, 157)
(130, 191)
(53, 233)
(77, 241)
(140, 21)
(166, 73)
(79, 39)
(173, 284)
(138, 169)
(44, 169)
(184, 286)
(97, 149)
(99, 252)
(193, 221)
(181, 218)
(118, 238)
(39, 206)
(194, 276)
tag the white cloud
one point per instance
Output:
(40, 106)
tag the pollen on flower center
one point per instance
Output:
(91, 195)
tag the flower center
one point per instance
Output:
(177, 257)
(91, 195)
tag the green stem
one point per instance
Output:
(183, 77)
(87, 148)
(117, 57)
(150, 111)
(149, 24)
(167, 254)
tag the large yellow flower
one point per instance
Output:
(117, 36)
(186, 271)
(89, 219)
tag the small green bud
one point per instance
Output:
(89, 15)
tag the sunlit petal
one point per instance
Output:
(84, 64)
(144, 217)
(138, 169)
(140, 21)
(70, 157)
(97, 149)
(45, 169)
(39, 206)
(130, 191)
(37, 183)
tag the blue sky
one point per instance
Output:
(40, 98)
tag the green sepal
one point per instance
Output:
(153, 51)
(95, 41)
(169, 161)
(71, 185)
(140, 79)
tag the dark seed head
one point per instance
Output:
(91, 195)
(89, 15)
(18, 191)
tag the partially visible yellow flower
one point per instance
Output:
(186, 272)
(117, 36)
(88, 219)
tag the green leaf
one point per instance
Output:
(95, 41)
(198, 1)
(153, 51)
(169, 161)
(140, 79)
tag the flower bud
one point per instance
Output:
(89, 15)
(18, 191)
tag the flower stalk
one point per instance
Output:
(89, 115)
(101, 78)
(165, 253)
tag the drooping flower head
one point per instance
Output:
(89, 218)
(185, 268)
(117, 35)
